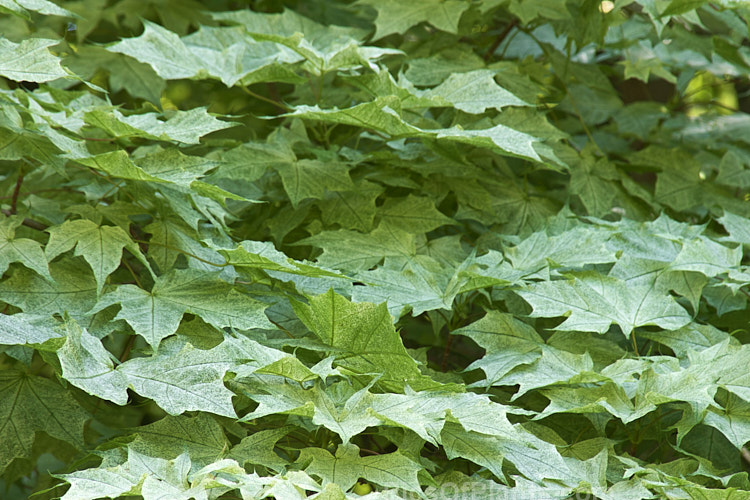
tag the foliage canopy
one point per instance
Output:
(322, 249)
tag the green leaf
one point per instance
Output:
(118, 164)
(353, 208)
(326, 48)
(339, 408)
(733, 420)
(263, 255)
(201, 436)
(394, 17)
(412, 214)
(162, 49)
(507, 341)
(21, 8)
(420, 286)
(30, 60)
(156, 314)
(427, 413)
(312, 178)
(257, 448)
(533, 457)
(363, 338)
(180, 126)
(73, 290)
(29, 404)
(389, 470)
(125, 73)
(350, 250)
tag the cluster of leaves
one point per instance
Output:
(426, 249)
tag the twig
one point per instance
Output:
(745, 454)
(503, 34)
(126, 351)
(282, 107)
(446, 353)
(16, 190)
(635, 344)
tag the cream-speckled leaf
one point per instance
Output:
(22, 8)
(88, 365)
(182, 378)
(26, 251)
(157, 314)
(325, 48)
(30, 60)
(20, 329)
(592, 302)
(383, 115)
(162, 49)
(474, 92)
(101, 246)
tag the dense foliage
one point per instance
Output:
(317, 249)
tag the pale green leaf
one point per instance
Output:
(326, 48)
(118, 164)
(162, 49)
(351, 250)
(608, 398)
(257, 448)
(507, 341)
(733, 420)
(362, 336)
(395, 17)
(338, 408)
(263, 255)
(179, 126)
(201, 436)
(312, 178)
(420, 286)
(389, 469)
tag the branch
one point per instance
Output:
(503, 34)
(16, 191)
(39, 226)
